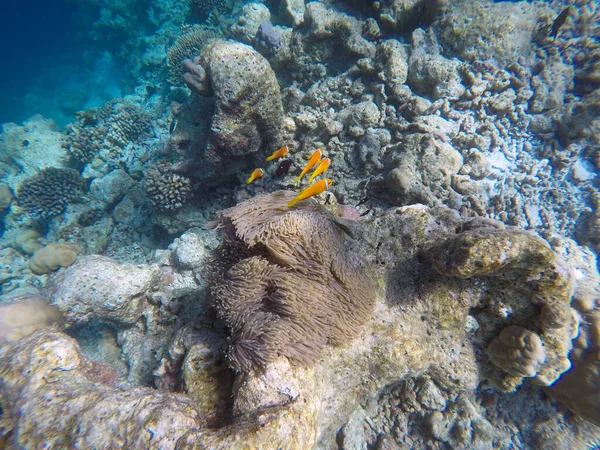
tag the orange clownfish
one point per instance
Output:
(279, 153)
(258, 173)
(313, 189)
(322, 167)
(315, 158)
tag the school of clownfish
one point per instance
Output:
(315, 188)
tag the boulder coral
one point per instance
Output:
(52, 256)
(293, 288)
(248, 111)
(24, 314)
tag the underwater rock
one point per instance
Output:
(403, 14)
(429, 73)
(52, 256)
(393, 60)
(248, 112)
(111, 188)
(27, 148)
(326, 23)
(515, 256)
(249, 22)
(480, 30)
(423, 170)
(292, 12)
(86, 412)
(97, 288)
(6, 197)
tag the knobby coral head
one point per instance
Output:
(286, 285)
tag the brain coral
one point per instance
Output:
(48, 192)
(284, 283)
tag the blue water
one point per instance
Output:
(48, 59)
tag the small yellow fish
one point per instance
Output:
(322, 167)
(313, 189)
(315, 158)
(258, 173)
(279, 153)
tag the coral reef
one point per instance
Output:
(577, 388)
(313, 293)
(48, 193)
(414, 370)
(439, 119)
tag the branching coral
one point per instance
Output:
(110, 127)
(293, 287)
(166, 190)
(48, 192)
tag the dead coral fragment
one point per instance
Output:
(293, 288)
(517, 351)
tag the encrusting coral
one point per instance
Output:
(47, 193)
(290, 286)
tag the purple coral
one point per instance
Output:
(267, 38)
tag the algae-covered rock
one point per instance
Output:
(249, 112)
(84, 412)
(519, 258)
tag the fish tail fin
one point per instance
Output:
(298, 178)
(270, 158)
(293, 202)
